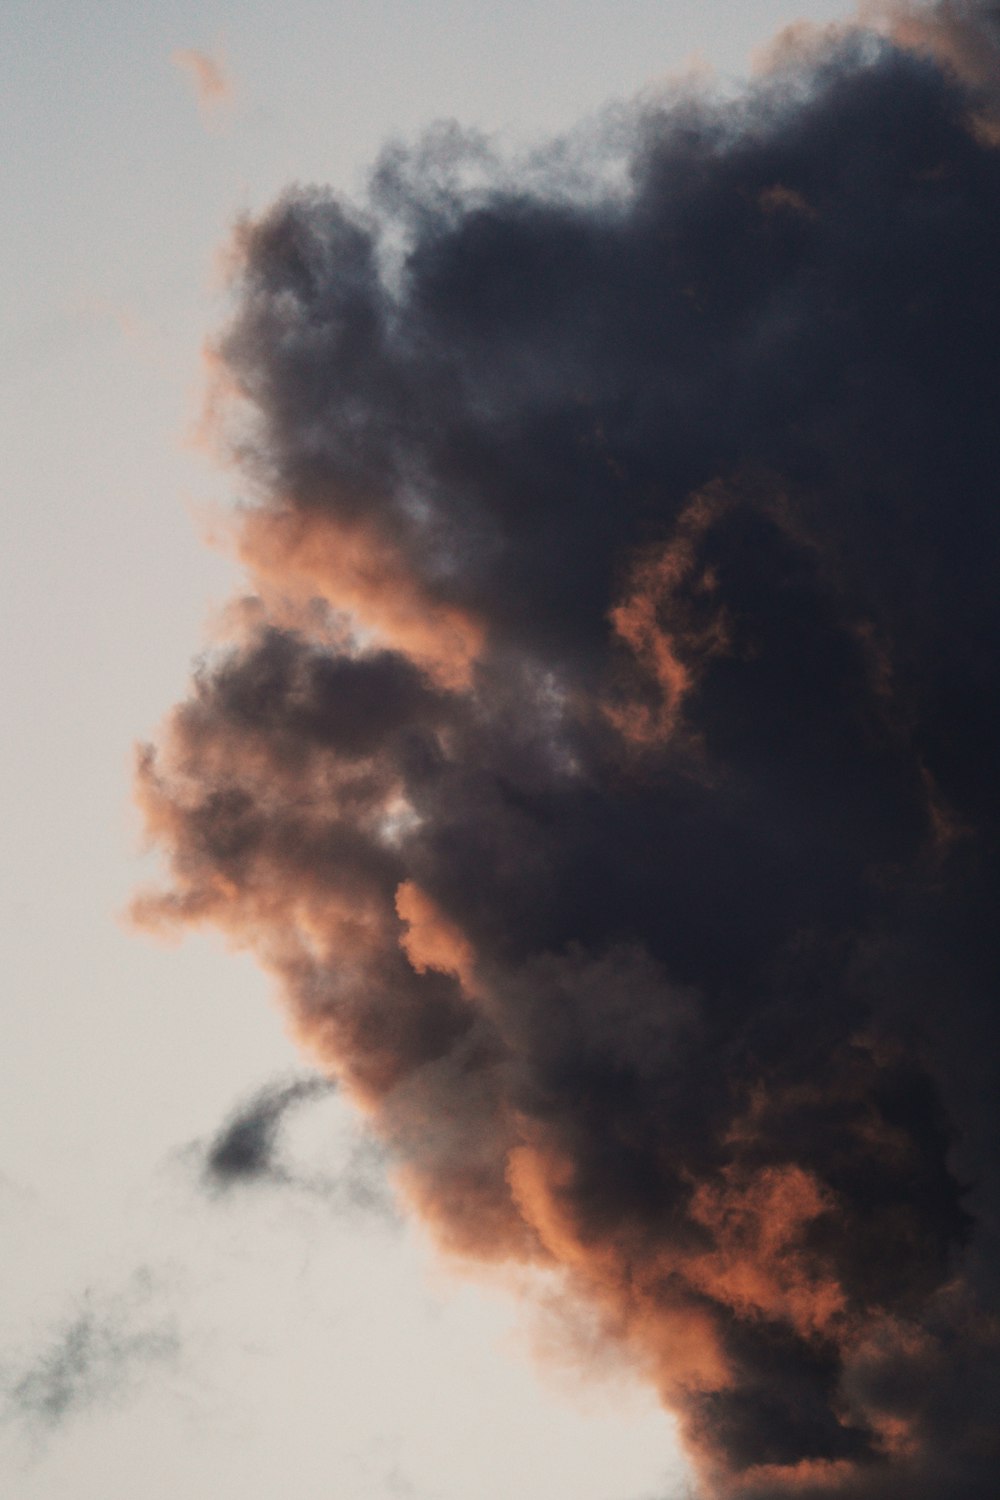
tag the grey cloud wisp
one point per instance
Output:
(245, 1149)
(249, 1151)
(102, 1350)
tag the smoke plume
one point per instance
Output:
(604, 757)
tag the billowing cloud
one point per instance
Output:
(606, 760)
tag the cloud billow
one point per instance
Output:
(605, 758)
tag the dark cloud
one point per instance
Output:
(105, 1348)
(249, 1150)
(246, 1147)
(607, 763)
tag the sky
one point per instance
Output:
(222, 1275)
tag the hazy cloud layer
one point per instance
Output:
(605, 757)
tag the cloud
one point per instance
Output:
(106, 1347)
(245, 1148)
(248, 1151)
(212, 85)
(606, 760)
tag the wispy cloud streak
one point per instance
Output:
(248, 1152)
(104, 1349)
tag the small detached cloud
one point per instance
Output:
(245, 1149)
(249, 1150)
(212, 84)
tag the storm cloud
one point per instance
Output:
(604, 756)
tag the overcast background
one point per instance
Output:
(276, 1331)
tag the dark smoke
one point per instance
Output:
(246, 1148)
(248, 1152)
(606, 759)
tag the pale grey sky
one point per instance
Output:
(157, 1340)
